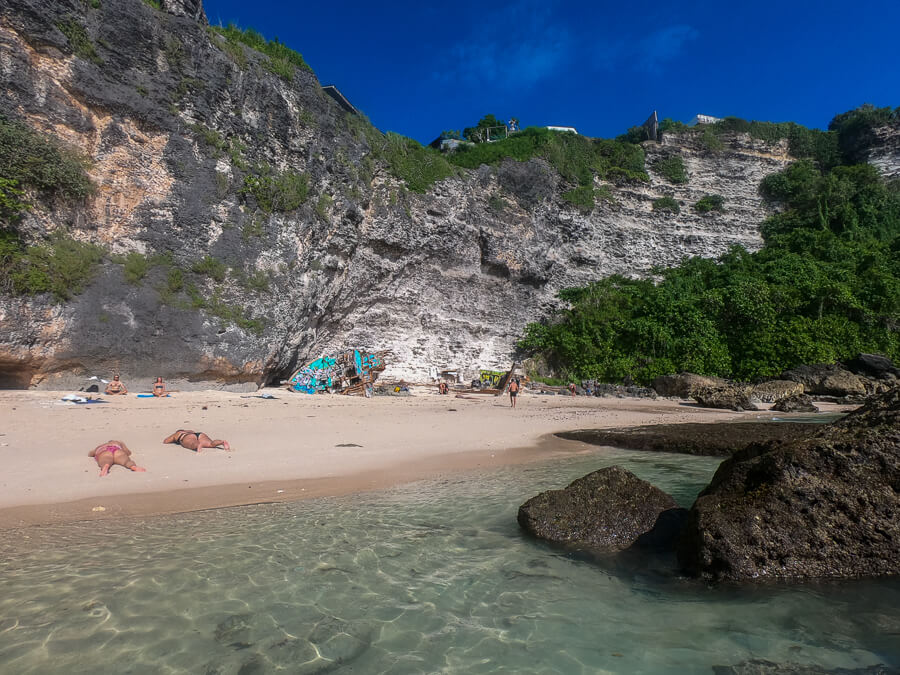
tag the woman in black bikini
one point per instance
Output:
(195, 440)
(113, 452)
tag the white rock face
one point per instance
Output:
(462, 276)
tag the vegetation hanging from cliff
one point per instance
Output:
(33, 161)
(825, 286)
(63, 266)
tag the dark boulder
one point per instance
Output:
(728, 396)
(798, 403)
(607, 510)
(823, 506)
(873, 365)
(684, 385)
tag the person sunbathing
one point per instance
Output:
(116, 386)
(195, 440)
(113, 452)
(159, 388)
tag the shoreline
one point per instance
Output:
(288, 448)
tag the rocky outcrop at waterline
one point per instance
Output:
(823, 506)
(716, 439)
(607, 510)
(183, 127)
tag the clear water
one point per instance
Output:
(432, 577)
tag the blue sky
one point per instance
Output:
(419, 68)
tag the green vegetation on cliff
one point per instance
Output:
(281, 61)
(33, 161)
(821, 146)
(576, 158)
(825, 286)
(63, 266)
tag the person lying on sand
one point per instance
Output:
(113, 452)
(195, 440)
(116, 386)
(159, 387)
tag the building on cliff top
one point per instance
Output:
(342, 101)
(569, 129)
(703, 119)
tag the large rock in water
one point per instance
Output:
(823, 506)
(607, 510)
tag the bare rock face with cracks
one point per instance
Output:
(265, 231)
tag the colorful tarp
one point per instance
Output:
(348, 372)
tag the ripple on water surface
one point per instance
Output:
(429, 577)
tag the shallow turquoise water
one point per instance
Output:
(426, 578)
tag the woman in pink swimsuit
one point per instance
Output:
(113, 452)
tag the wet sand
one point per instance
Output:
(292, 447)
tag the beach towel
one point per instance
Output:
(80, 400)
(150, 396)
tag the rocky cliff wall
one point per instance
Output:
(174, 118)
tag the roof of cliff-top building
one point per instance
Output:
(342, 101)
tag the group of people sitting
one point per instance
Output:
(116, 452)
(116, 387)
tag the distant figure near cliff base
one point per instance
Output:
(513, 392)
(113, 452)
(195, 440)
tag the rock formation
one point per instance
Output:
(826, 379)
(607, 510)
(728, 396)
(796, 403)
(684, 385)
(174, 118)
(823, 506)
(775, 390)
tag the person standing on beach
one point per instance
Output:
(572, 388)
(116, 386)
(113, 452)
(513, 392)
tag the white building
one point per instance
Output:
(703, 119)
(569, 129)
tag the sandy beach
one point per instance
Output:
(292, 447)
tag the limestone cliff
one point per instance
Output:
(178, 122)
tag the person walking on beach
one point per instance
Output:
(513, 392)
(116, 387)
(195, 440)
(113, 452)
(159, 388)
